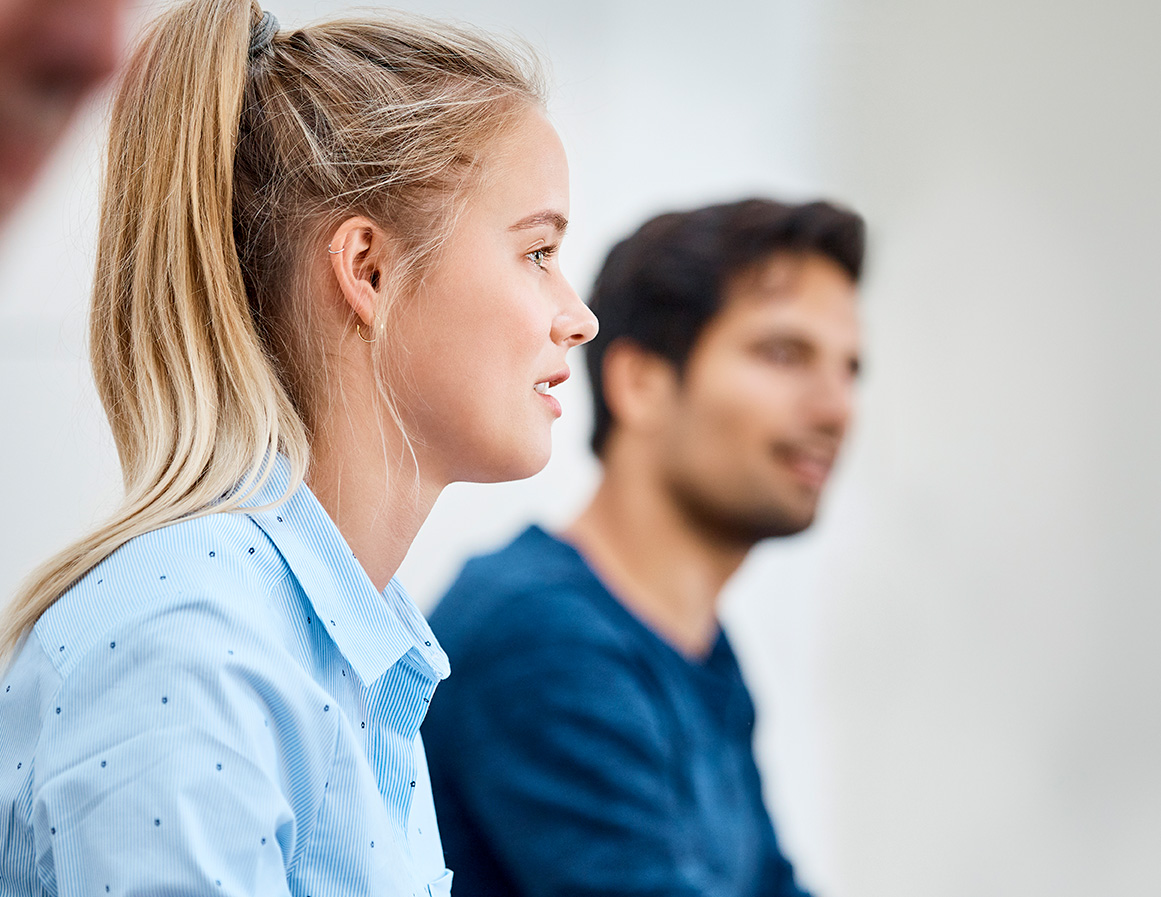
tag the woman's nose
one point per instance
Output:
(575, 324)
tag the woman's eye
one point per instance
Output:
(539, 257)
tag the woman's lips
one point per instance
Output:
(541, 388)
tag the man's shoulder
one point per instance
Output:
(535, 559)
(536, 586)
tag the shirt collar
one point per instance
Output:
(372, 630)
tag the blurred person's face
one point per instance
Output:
(759, 414)
(52, 53)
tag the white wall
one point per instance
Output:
(988, 661)
(957, 669)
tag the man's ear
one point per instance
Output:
(640, 386)
(360, 253)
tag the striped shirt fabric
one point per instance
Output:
(225, 706)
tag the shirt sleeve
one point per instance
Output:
(566, 772)
(181, 756)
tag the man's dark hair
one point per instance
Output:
(662, 285)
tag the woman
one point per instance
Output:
(326, 255)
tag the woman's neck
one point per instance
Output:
(371, 490)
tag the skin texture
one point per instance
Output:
(494, 318)
(52, 54)
(701, 466)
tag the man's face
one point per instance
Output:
(763, 405)
(52, 53)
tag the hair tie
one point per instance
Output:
(262, 34)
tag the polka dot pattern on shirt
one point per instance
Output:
(105, 652)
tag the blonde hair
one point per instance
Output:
(223, 172)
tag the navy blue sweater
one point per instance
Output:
(574, 752)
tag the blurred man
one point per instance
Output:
(52, 54)
(596, 736)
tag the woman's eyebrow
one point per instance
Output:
(537, 219)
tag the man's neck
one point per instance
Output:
(655, 561)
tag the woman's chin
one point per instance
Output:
(514, 465)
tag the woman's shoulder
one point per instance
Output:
(221, 548)
(212, 571)
(164, 687)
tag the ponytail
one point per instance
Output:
(197, 410)
(223, 170)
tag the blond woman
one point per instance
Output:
(326, 288)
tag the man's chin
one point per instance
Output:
(783, 526)
(786, 511)
(745, 529)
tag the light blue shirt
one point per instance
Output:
(225, 706)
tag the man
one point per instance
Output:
(52, 54)
(596, 736)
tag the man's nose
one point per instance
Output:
(833, 399)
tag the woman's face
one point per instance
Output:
(485, 338)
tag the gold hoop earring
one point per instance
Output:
(358, 330)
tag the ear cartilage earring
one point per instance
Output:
(359, 330)
(334, 251)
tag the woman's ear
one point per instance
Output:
(360, 252)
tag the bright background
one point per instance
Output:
(958, 670)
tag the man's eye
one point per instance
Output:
(782, 353)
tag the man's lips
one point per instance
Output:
(810, 465)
